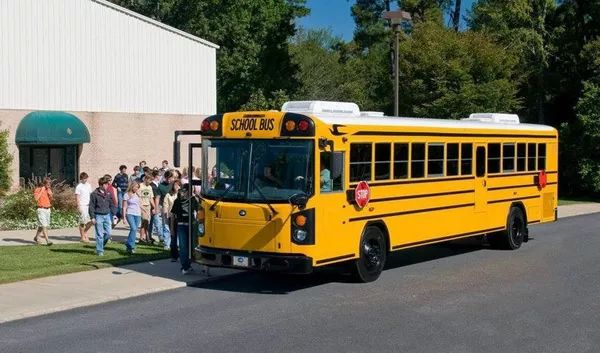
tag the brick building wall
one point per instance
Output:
(115, 139)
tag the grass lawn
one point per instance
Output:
(575, 200)
(19, 263)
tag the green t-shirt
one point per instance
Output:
(163, 190)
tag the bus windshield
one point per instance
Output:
(256, 170)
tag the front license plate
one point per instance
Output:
(240, 261)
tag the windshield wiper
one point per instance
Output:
(273, 210)
(212, 207)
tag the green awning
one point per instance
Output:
(51, 128)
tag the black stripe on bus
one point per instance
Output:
(517, 174)
(533, 222)
(421, 195)
(410, 212)
(512, 187)
(446, 238)
(515, 199)
(418, 181)
(343, 257)
(553, 183)
(447, 134)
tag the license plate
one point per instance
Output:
(240, 261)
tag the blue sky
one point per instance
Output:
(335, 15)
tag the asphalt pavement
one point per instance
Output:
(451, 297)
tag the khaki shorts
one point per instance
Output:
(43, 216)
(146, 212)
(84, 214)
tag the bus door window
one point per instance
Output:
(480, 162)
(332, 172)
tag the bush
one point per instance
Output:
(19, 206)
(5, 163)
(63, 197)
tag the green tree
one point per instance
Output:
(445, 74)
(425, 10)
(580, 142)
(519, 26)
(5, 163)
(370, 25)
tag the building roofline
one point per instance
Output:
(155, 23)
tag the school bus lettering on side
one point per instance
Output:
(288, 191)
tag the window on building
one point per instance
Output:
(417, 160)
(508, 157)
(435, 160)
(383, 156)
(360, 161)
(466, 159)
(400, 160)
(521, 157)
(541, 160)
(452, 159)
(531, 157)
(58, 162)
(493, 158)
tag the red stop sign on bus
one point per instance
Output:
(362, 194)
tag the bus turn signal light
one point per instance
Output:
(214, 125)
(300, 220)
(290, 125)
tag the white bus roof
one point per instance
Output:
(345, 113)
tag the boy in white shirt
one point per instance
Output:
(83, 192)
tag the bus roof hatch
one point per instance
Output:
(322, 107)
(499, 118)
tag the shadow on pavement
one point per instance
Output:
(273, 283)
(18, 240)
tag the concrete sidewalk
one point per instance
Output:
(47, 295)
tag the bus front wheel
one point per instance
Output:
(373, 251)
(513, 236)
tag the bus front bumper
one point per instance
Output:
(261, 261)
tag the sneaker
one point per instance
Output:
(166, 247)
(131, 251)
(188, 271)
(49, 243)
(173, 259)
(100, 254)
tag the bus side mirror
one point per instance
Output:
(300, 200)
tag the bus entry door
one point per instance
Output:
(480, 178)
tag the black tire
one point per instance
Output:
(515, 233)
(373, 253)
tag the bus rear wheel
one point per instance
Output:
(515, 233)
(373, 252)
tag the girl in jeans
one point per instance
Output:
(132, 212)
(167, 207)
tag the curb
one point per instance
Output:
(114, 298)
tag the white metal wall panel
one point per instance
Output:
(89, 55)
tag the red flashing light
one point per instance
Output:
(542, 179)
(303, 125)
(205, 125)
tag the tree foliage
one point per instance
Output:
(5, 163)
(445, 74)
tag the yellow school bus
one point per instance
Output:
(322, 182)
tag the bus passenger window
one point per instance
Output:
(452, 159)
(417, 163)
(541, 156)
(480, 162)
(400, 160)
(435, 160)
(493, 158)
(508, 157)
(466, 159)
(331, 177)
(521, 157)
(360, 161)
(383, 156)
(531, 157)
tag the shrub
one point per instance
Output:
(5, 163)
(19, 206)
(63, 197)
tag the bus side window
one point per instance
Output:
(452, 159)
(541, 156)
(466, 159)
(480, 162)
(531, 157)
(332, 180)
(417, 160)
(521, 157)
(508, 157)
(360, 161)
(493, 158)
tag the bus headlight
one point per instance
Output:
(200, 230)
(300, 235)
